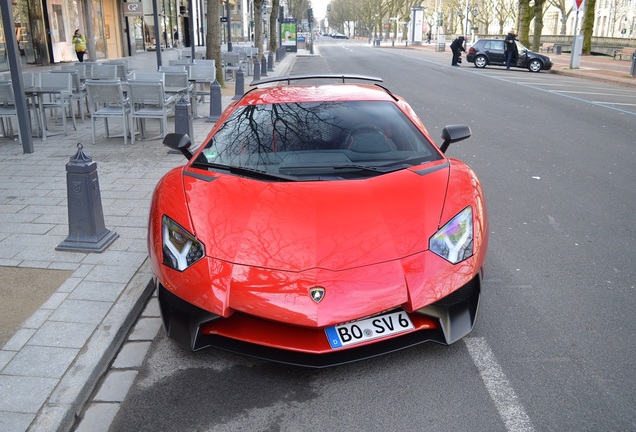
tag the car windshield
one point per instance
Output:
(317, 141)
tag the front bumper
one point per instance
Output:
(443, 322)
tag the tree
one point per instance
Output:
(588, 26)
(258, 27)
(213, 37)
(565, 13)
(273, 16)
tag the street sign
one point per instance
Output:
(578, 4)
(133, 9)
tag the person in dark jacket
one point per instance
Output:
(511, 48)
(457, 46)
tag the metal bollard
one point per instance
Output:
(263, 67)
(278, 55)
(86, 231)
(215, 102)
(182, 119)
(239, 86)
(270, 62)
(632, 70)
(257, 70)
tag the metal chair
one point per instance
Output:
(231, 63)
(78, 92)
(103, 71)
(202, 76)
(174, 68)
(147, 76)
(106, 101)
(181, 80)
(61, 100)
(7, 109)
(148, 101)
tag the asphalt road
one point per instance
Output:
(553, 348)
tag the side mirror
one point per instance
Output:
(454, 133)
(180, 142)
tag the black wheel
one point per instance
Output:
(480, 62)
(535, 65)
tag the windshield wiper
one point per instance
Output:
(375, 169)
(245, 171)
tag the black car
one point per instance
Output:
(490, 52)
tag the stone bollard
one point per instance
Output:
(182, 119)
(278, 59)
(257, 70)
(270, 62)
(215, 102)
(86, 230)
(239, 86)
(263, 67)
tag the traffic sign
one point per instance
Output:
(578, 4)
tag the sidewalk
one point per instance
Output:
(83, 304)
(52, 361)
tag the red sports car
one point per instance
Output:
(318, 225)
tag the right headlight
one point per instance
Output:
(180, 248)
(454, 241)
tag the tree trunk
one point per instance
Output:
(588, 26)
(258, 27)
(273, 16)
(538, 24)
(213, 38)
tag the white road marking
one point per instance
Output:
(501, 392)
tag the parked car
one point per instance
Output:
(490, 52)
(339, 36)
(317, 225)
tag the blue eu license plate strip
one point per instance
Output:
(356, 332)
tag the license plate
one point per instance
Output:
(356, 332)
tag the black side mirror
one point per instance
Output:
(454, 133)
(180, 142)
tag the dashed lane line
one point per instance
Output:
(501, 392)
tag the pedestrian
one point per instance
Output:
(457, 46)
(511, 48)
(428, 37)
(79, 42)
(175, 38)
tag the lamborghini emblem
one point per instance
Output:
(317, 294)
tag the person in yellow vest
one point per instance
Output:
(79, 42)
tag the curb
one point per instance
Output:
(77, 385)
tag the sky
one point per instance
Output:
(320, 8)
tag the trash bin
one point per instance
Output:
(557, 49)
(441, 47)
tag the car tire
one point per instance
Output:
(535, 65)
(480, 62)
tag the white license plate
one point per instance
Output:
(356, 332)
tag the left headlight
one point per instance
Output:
(454, 241)
(180, 248)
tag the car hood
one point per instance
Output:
(333, 225)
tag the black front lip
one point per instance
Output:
(456, 314)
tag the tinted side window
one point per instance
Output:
(497, 45)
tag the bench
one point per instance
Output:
(547, 47)
(625, 52)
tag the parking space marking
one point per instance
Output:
(501, 392)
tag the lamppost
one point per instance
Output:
(229, 26)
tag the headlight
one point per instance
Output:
(454, 241)
(180, 248)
